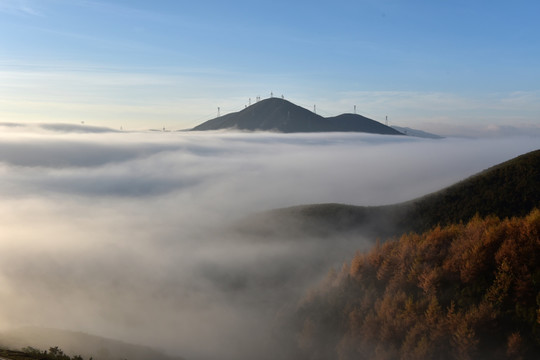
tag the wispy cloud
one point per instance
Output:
(183, 97)
(131, 97)
(447, 113)
(20, 7)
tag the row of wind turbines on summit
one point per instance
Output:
(258, 98)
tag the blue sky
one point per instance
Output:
(451, 67)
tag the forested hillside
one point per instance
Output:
(463, 291)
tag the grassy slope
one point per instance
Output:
(508, 189)
(73, 342)
(15, 355)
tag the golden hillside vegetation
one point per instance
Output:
(466, 291)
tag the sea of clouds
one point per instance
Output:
(123, 234)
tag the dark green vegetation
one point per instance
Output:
(29, 353)
(465, 291)
(71, 342)
(509, 189)
(280, 115)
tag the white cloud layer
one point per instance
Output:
(119, 234)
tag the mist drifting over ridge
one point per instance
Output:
(118, 234)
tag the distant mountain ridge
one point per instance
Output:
(416, 133)
(280, 115)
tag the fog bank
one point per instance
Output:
(121, 234)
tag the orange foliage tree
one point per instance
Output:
(464, 291)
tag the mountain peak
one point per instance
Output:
(280, 115)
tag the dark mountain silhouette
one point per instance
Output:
(506, 190)
(275, 114)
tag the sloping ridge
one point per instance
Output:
(74, 343)
(279, 115)
(505, 190)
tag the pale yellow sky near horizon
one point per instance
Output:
(145, 100)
